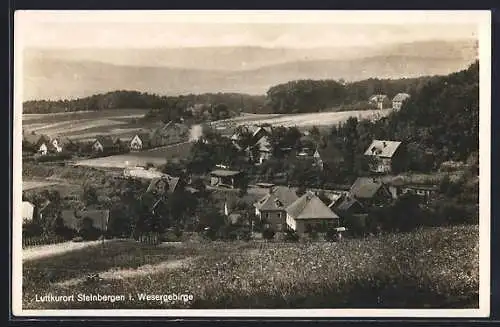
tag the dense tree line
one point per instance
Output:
(317, 95)
(132, 99)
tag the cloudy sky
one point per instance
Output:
(116, 29)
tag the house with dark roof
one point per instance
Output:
(271, 208)
(140, 141)
(385, 156)
(308, 213)
(39, 143)
(169, 133)
(103, 143)
(348, 206)
(399, 99)
(370, 191)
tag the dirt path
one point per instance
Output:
(132, 273)
(44, 251)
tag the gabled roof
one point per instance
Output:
(329, 153)
(382, 148)
(73, 218)
(278, 198)
(106, 141)
(365, 187)
(171, 182)
(143, 136)
(401, 97)
(347, 203)
(309, 206)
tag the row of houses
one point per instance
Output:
(382, 101)
(282, 209)
(170, 133)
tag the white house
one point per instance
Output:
(43, 149)
(27, 209)
(399, 99)
(380, 100)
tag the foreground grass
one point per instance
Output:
(428, 268)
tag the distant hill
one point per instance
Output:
(55, 74)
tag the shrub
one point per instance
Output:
(331, 235)
(291, 236)
(170, 236)
(268, 233)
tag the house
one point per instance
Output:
(328, 155)
(140, 141)
(27, 209)
(399, 99)
(272, 207)
(169, 133)
(381, 101)
(226, 178)
(370, 191)
(77, 219)
(163, 185)
(259, 148)
(385, 156)
(39, 143)
(398, 187)
(308, 213)
(103, 143)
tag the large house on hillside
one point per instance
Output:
(399, 99)
(385, 156)
(272, 207)
(308, 213)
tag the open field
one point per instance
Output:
(86, 124)
(438, 266)
(157, 156)
(319, 119)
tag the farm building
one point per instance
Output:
(370, 191)
(39, 143)
(169, 133)
(227, 178)
(140, 141)
(385, 156)
(381, 101)
(308, 213)
(80, 219)
(272, 207)
(28, 209)
(103, 143)
(399, 99)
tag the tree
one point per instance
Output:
(90, 196)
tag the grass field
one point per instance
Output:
(86, 124)
(428, 268)
(157, 156)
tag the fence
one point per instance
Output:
(150, 238)
(42, 240)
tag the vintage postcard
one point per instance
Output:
(251, 163)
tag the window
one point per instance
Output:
(279, 214)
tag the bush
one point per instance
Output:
(331, 235)
(268, 233)
(291, 236)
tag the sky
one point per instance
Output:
(146, 29)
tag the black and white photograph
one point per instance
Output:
(251, 163)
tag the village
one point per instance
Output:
(251, 204)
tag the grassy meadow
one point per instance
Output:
(428, 268)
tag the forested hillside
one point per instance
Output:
(439, 123)
(319, 95)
